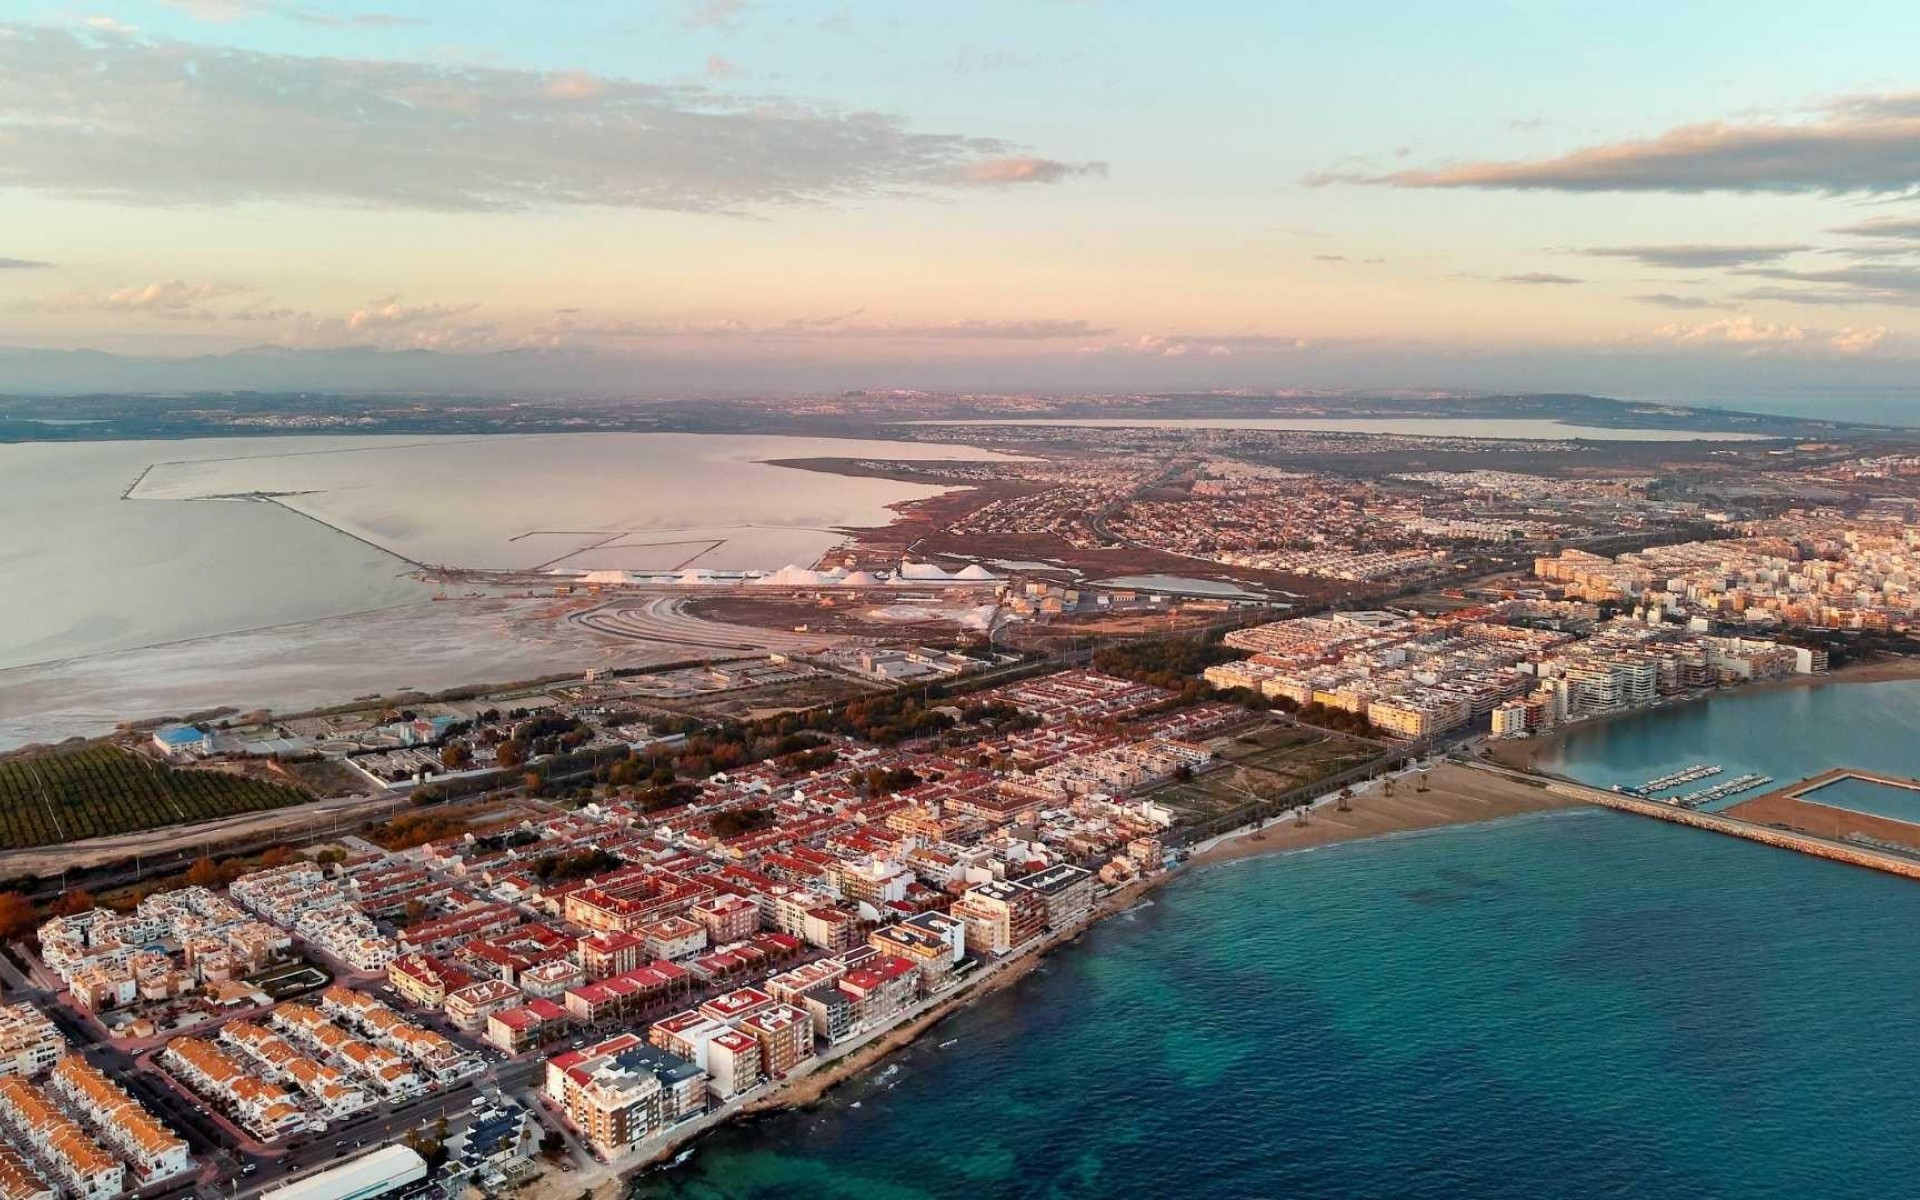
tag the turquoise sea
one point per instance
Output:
(1576, 1004)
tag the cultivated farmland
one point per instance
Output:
(66, 795)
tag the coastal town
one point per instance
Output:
(532, 937)
(717, 913)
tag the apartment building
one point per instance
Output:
(262, 1108)
(29, 1041)
(727, 918)
(999, 916)
(153, 1151)
(882, 989)
(515, 1030)
(1066, 893)
(930, 953)
(622, 1091)
(19, 1180)
(470, 1007)
(733, 1063)
(785, 1034)
(81, 1165)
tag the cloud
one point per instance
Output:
(1857, 341)
(388, 312)
(331, 20)
(1223, 345)
(1819, 297)
(169, 299)
(1864, 283)
(217, 11)
(22, 264)
(225, 12)
(1021, 169)
(722, 68)
(1742, 330)
(845, 325)
(111, 25)
(1538, 277)
(1907, 228)
(169, 295)
(573, 85)
(162, 119)
(712, 14)
(1863, 144)
(1669, 300)
(1697, 257)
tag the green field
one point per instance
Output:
(66, 795)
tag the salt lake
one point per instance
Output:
(192, 552)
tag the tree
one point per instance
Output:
(455, 755)
(78, 900)
(511, 754)
(18, 916)
(204, 873)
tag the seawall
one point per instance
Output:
(1766, 835)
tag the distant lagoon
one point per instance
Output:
(84, 572)
(1498, 428)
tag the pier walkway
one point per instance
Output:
(1766, 835)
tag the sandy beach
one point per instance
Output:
(1455, 795)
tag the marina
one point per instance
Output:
(1676, 778)
(1699, 797)
(1721, 791)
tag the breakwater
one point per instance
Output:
(1855, 855)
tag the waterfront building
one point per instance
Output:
(621, 1091)
(881, 989)
(930, 952)
(732, 1062)
(1000, 915)
(1066, 893)
(831, 1010)
(785, 1034)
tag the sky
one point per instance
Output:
(1698, 200)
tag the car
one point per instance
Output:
(250, 1168)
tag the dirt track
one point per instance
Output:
(47, 861)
